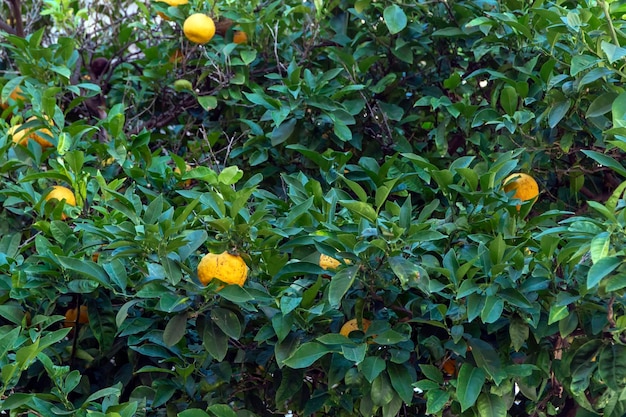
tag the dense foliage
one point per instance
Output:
(374, 132)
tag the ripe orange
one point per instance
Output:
(163, 16)
(21, 137)
(327, 262)
(40, 139)
(353, 325)
(228, 268)
(449, 366)
(61, 193)
(176, 57)
(16, 94)
(240, 37)
(525, 187)
(185, 183)
(174, 3)
(73, 314)
(199, 28)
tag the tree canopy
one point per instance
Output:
(361, 158)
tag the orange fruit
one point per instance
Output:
(199, 28)
(21, 137)
(73, 315)
(449, 366)
(187, 182)
(240, 37)
(163, 16)
(40, 139)
(328, 262)
(228, 268)
(174, 3)
(176, 57)
(16, 94)
(525, 187)
(353, 325)
(61, 193)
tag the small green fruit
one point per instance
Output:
(182, 85)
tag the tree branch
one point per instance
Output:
(16, 11)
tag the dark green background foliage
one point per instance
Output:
(377, 133)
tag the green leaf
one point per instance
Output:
(86, 268)
(557, 112)
(290, 385)
(612, 366)
(557, 313)
(221, 410)
(487, 359)
(236, 294)
(230, 175)
(613, 52)
(392, 408)
(340, 284)
(175, 329)
(382, 391)
(509, 99)
(432, 372)
(7, 341)
(601, 105)
(247, 55)
(372, 366)
(215, 341)
(395, 18)
(306, 354)
(469, 385)
(599, 247)
(342, 131)
(406, 271)
(581, 63)
(617, 282)
(207, 102)
(605, 160)
(401, 381)
(436, 399)
(227, 321)
(193, 412)
(360, 209)
(283, 132)
(518, 332)
(601, 269)
(492, 310)
(113, 391)
(490, 405)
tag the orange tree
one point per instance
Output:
(378, 134)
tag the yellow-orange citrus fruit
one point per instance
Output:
(525, 186)
(163, 16)
(74, 314)
(174, 2)
(449, 366)
(328, 262)
(16, 94)
(18, 136)
(176, 57)
(60, 193)
(353, 325)
(40, 139)
(228, 268)
(187, 182)
(199, 28)
(240, 37)
(22, 136)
